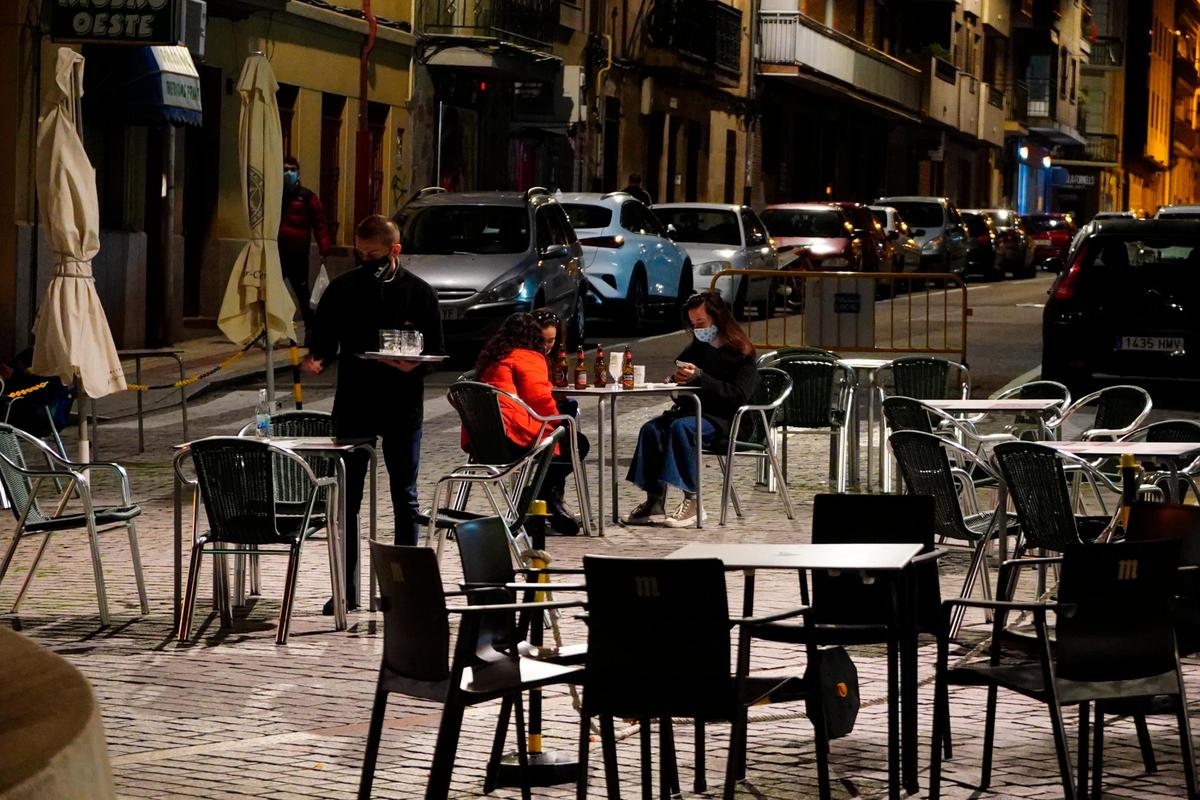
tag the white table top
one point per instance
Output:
(316, 442)
(1009, 404)
(872, 557)
(1143, 449)
(615, 388)
(864, 363)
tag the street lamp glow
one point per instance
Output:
(1046, 162)
(1023, 152)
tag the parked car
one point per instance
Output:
(906, 250)
(490, 254)
(1103, 215)
(1051, 235)
(983, 257)
(938, 227)
(1178, 212)
(632, 266)
(876, 247)
(1012, 241)
(718, 236)
(821, 233)
(1127, 306)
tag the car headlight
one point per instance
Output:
(507, 290)
(933, 245)
(712, 267)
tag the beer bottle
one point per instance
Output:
(581, 381)
(560, 368)
(627, 369)
(601, 367)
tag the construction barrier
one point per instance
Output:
(853, 312)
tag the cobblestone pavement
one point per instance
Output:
(233, 715)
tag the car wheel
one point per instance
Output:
(635, 299)
(577, 324)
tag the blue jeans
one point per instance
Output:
(666, 453)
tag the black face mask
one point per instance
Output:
(377, 265)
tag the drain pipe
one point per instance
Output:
(363, 194)
(598, 150)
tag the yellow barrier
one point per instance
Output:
(859, 312)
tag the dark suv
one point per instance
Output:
(1126, 306)
(877, 253)
(490, 254)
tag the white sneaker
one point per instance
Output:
(684, 515)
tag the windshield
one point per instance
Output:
(824, 224)
(701, 225)
(469, 230)
(1042, 224)
(922, 215)
(1131, 262)
(587, 216)
(976, 224)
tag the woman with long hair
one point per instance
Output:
(514, 361)
(719, 362)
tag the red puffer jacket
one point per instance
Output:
(302, 215)
(523, 373)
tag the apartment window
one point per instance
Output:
(1062, 79)
(1074, 77)
(730, 167)
(286, 98)
(332, 108)
(377, 117)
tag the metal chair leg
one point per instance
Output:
(31, 572)
(221, 570)
(491, 775)
(726, 486)
(97, 567)
(189, 595)
(1061, 749)
(783, 490)
(12, 549)
(289, 595)
(1097, 753)
(585, 740)
(1082, 754)
(374, 734)
(135, 554)
(608, 744)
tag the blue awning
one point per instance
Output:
(152, 85)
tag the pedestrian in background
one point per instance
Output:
(375, 398)
(635, 188)
(302, 219)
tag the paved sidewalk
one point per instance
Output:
(233, 715)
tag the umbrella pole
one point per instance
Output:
(270, 345)
(85, 446)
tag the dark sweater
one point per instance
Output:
(727, 381)
(372, 396)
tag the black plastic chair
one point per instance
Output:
(416, 659)
(820, 403)
(750, 435)
(845, 610)
(236, 480)
(24, 480)
(927, 470)
(659, 647)
(1159, 475)
(923, 377)
(1114, 642)
(769, 358)
(1119, 411)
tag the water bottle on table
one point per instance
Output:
(262, 416)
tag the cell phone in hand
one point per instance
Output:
(681, 363)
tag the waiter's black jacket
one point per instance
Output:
(373, 396)
(726, 378)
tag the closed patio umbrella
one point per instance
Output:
(72, 337)
(255, 297)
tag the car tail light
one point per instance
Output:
(603, 241)
(1065, 289)
(985, 239)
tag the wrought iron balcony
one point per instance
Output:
(1100, 148)
(707, 31)
(1107, 51)
(529, 23)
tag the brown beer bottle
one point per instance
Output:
(581, 381)
(601, 367)
(627, 369)
(560, 368)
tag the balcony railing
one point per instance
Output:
(1100, 148)
(995, 96)
(1107, 51)
(1185, 135)
(522, 22)
(707, 31)
(789, 37)
(1035, 99)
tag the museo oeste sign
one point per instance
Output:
(115, 21)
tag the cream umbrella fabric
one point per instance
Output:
(255, 296)
(72, 334)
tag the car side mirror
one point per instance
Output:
(556, 251)
(919, 232)
(1054, 264)
(672, 231)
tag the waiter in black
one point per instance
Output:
(377, 398)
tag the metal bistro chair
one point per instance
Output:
(236, 480)
(820, 403)
(749, 435)
(291, 482)
(417, 659)
(491, 461)
(23, 481)
(1170, 430)
(1114, 642)
(768, 358)
(1119, 411)
(928, 469)
(1033, 426)
(658, 648)
(924, 378)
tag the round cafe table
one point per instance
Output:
(51, 736)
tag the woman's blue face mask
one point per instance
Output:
(705, 335)
(290, 178)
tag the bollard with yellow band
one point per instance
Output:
(1129, 486)
(546, 768)
(297, 389)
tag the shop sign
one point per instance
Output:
(115, 21)
(1075, 179)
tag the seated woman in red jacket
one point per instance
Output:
(514, 361)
